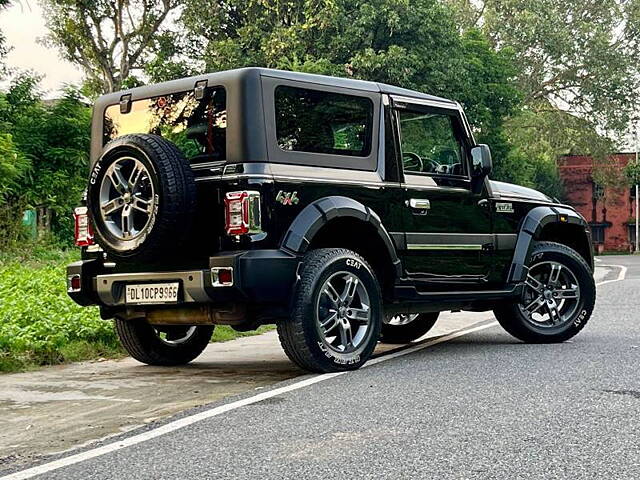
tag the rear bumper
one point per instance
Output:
(259, 276)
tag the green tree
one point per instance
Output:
(51, 142)
(109, 39)
(578, 66)
(411, 43)
(581, 56)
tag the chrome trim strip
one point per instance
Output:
(434, 246)
(205, 165)
(444, 104)
(299, 179)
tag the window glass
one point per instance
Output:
(197, 127)
(323, 122)
(429, 144)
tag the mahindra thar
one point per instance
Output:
(345, 212)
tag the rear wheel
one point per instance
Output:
(162, 345)
(336, 315)
(406, 328)
(558, 297)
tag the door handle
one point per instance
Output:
(420, 204)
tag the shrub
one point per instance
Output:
(39, 324)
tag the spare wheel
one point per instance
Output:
(142, 198)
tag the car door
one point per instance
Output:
(447, 226)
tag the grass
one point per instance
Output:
(40, 325)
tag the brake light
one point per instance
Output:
(242, 212)
(83, 229)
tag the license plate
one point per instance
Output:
(152, 293)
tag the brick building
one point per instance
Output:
(610, 213)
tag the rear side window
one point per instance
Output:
(314, 121)
(196, 127)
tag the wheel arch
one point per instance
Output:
(556, 224)
(343, 222)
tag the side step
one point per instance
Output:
(407, 292)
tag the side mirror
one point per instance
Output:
(481, 158)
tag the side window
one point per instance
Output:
(429, 144)
(323, 122)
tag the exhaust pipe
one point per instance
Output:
(198, 315)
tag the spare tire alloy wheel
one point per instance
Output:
(551, 296)
(128, 199)
(142, 198)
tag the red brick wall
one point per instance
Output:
(617, 206)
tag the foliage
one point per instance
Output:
(411, 43)
(632, 173)
(582, 56)
(108, 39)
(578, 65)
(51, 145)
(13, 164)
(38, 320)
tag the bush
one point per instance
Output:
(39, 324)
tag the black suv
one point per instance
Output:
(346, 212)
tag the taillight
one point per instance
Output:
(242, 212)
(83, 230)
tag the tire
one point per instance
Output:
(348, 339)
(391, 333)
(571, 314)
(146, 179)
(143, 342)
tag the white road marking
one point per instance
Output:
(621, 276)
(214, 412)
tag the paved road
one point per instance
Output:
(67, 406)
(479, 406)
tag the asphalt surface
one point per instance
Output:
(480, 406)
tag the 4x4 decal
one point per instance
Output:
(287, 198)
(502, 207)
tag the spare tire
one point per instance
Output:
(142, 198)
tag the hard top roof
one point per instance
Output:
(241, 74)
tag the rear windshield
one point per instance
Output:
(323, 122)
(197, 127)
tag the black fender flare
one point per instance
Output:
(531, 227)
(317, 214)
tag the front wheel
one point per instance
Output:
(557, 300)
(337, 311)
(162, 345)
(405, 328)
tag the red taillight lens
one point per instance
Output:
(74, 283)
(242, 212)
(83, 230)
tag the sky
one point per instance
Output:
(23, 24)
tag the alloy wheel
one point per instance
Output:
(174, 335)
(551, 296)
(343, 312)
(127, 198)
(401, 319)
